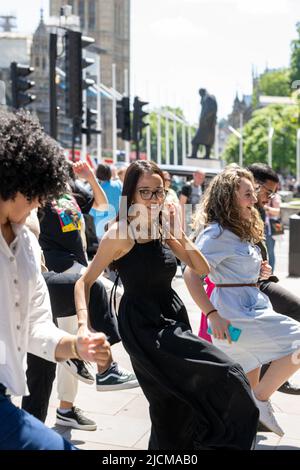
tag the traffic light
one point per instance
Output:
(138, 119)
(123, 119)
(74, 64)
(91, 124)
(19, 85)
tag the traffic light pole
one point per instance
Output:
(126, 93)
(148, 142)
(76, 130)
(84, 115)
(73, 138)
(99, 136)
(167, 141)
(159, 139)
(76, 83)
(52, 87)
(114, 117)
(138, 123)
(137, 149)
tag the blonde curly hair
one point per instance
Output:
(219, 204)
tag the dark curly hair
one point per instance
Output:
(30, 161)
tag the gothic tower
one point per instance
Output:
(39, 60)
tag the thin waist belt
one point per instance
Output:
(237, 285)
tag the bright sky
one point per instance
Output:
(179, 46)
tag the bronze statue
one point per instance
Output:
(207, 123)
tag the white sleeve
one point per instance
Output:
(43, 334)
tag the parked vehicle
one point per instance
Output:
(182, 173)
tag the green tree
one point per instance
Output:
(255, 139)
(295, 56)
(272, 83)
(275, 83)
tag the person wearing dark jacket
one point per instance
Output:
(282, 300)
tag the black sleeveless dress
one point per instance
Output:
(199, 399)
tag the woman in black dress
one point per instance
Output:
(198, 398)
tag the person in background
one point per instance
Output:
(272, 212)
(32, 171)
(171, 194)
(268, 202)
(114, 173)
(282, 300)
(190, 197)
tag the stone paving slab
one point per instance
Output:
(118, 430)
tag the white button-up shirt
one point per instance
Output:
(25, 312)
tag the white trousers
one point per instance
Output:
(67, 384)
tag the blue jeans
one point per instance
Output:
(21, 431)
(270, 242)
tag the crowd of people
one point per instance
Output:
(204, 391)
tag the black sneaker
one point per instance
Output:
(115, 378)
(75, 419)
(79, 370)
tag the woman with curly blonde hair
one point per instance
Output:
(219, 204)
(228, 229)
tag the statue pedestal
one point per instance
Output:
(205, 163)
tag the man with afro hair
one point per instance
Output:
(32, 170)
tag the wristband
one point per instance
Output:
(211, 311)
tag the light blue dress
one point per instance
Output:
(266, 335)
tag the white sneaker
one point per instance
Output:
(267, 417)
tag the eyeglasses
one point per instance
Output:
(270, 193)
(146, 194)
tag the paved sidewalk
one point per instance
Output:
(122, 416)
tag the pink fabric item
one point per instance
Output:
(203, 323)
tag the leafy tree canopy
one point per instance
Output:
(275, 83)
(284, 120)
(295, 56)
